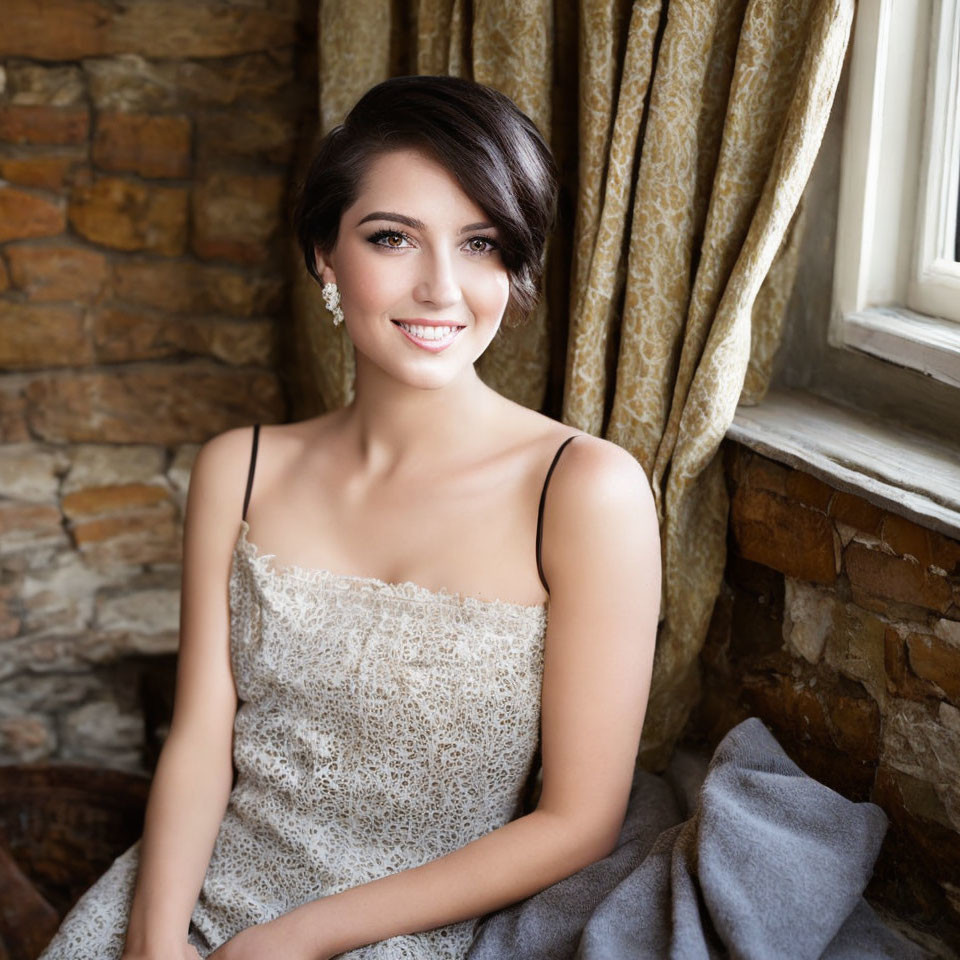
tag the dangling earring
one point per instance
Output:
(331, 297)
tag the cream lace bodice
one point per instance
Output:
(380, 726)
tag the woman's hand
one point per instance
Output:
(283, 937)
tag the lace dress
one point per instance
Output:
(380, 726)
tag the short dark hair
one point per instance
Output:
(478, 134)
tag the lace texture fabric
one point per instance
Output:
(380, 726)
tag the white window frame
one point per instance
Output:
(896, 289)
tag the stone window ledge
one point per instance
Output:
(894, 467)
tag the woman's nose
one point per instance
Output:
(438, 282)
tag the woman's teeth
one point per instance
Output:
(429, 333)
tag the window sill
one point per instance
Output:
(894, 467)
(913, 340)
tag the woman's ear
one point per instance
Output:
(324, 269)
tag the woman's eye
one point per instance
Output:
(491, 245)
(395, 239)
(389, 235)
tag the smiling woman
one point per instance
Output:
(489, 148)
(406, 630)
(437, 283)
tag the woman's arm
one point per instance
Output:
(601, 557)
(494, 871)
(192, 782)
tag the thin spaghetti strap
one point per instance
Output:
(253, 463)
(543, 500)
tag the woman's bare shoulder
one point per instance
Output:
(226, 456)
(543, 433)
(308, 430)
(283, 439)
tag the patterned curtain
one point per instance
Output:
(686, 131)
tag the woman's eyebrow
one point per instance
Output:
(413, 222)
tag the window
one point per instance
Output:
(896, 275)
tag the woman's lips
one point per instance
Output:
(434, 346)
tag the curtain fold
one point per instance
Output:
(697, 123)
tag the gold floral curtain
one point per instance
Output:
(686, 131)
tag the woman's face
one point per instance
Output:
(415, 248)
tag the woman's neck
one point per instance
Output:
(393, 426)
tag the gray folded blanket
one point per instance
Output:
(743, 856)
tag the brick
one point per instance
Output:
(42, 336)
(40, 653)
(152, 146)
(927, 547)
(31, 472)
(923, 740)
(124, 334)
(169, 404)
(98, 464)
(10, 617)
(856, 512)
(137, 85)
(855, 649)
(877, 575)
(52, 172)
(182, 28)
(131, 216)
(898, 792)
(132, 84)
(28, 526)
(809, 490)
(936, 661)
(765, 474)
(25, 214)
(901, 680)
(801, 723)
(235, 216)
(264, 135)
(51, 126)
(73, 29)
(59, 596)
(249, 342)
(118, 524)
(112, 497)
(55, 29)
(57, 272)
(791, 705)
(916, 818)
(145, 536)
(145, 611)
(35, 84)
(184, 286)
(99, 730)
(827, 715)
(13, 412)
(786, 536)
(179, 470)
(855, 723)
(808, 615)
(26, 739)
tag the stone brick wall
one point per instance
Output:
(147, 151)
(839, 626)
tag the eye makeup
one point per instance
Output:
(375, 239)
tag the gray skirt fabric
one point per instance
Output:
(740, 855)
